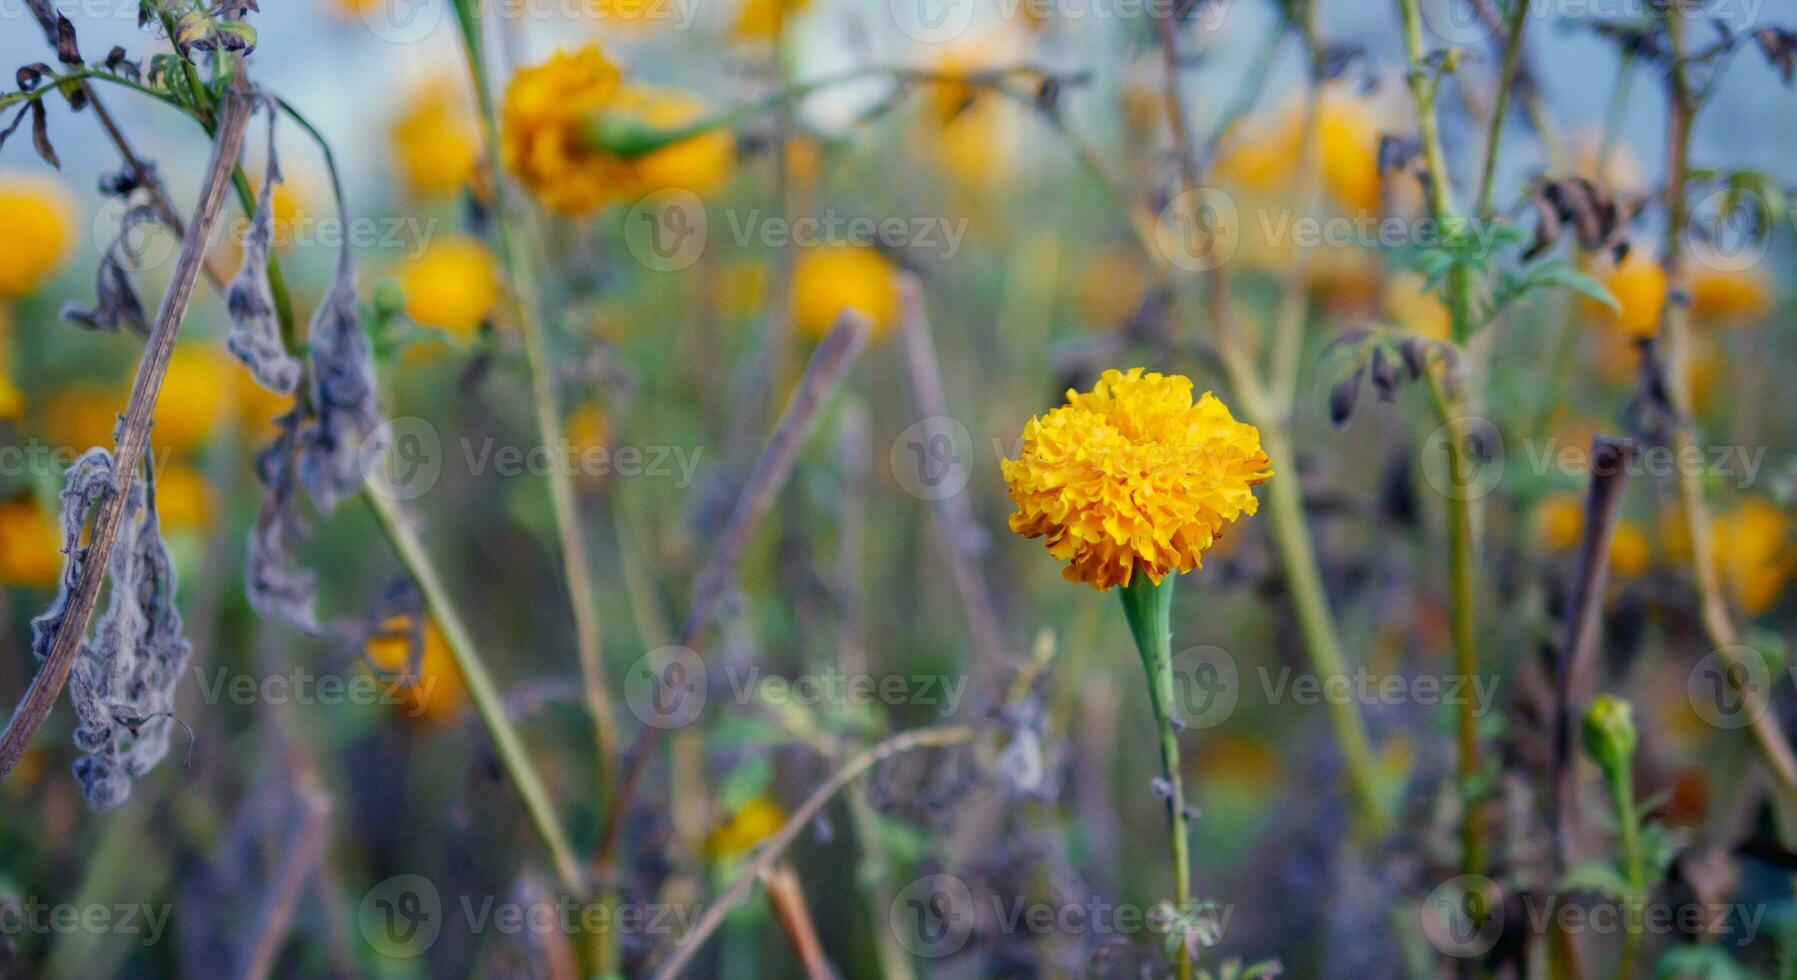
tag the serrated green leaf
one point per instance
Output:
(1596, 876)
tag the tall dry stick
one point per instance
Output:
(134, 434)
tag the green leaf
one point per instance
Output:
(1596, 876)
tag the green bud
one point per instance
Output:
(389, 299)
(1610, 732)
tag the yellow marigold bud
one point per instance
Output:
(453, 286)
(39, 217)
(1134, 476)
(1609, 732)
(435, 143)
(756, 821)
(1560, 521)
(831, 278)
(1639, 285)
(30, 546)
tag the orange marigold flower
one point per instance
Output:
(545, 107)
(548, 137)
(1134, 475)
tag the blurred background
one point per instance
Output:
(323, 790)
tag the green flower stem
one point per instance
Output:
(1149, 608)
(481, 690)
(1519, 17)
(1462, 603)
(1423, 84)
(1622, 796)
(1271, 414)
(522, 298)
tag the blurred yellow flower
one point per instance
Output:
(1631, 554)
(547, 139)
(541, 139)
(454, 285)
(193, 400)
(761, 20)
(183, 500)
(1111, 287)
(700, 164)
(739, 288)
(1639, 285)
(1410, 306)
(1265, 161)
(30, 545)
(1720, 293)
(80, 415)
(828, 279)
(1560, 521)
(435, 142)
(587, 429)
(1133, 476)
(436, 692)
(756, 821)
(1753, 551)
(39, 217)
(1674, 532)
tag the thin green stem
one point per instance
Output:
(1149, 609)
(514, 256)
(1271, 415)
(1628, 822)
(1424, 84)
(1519, 17)
(481, 690)
(1462, 611)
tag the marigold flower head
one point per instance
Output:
(435, 144)
(548, 139)
(1133, 475)
(39, 216)
(541, 140)
(454, 286)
